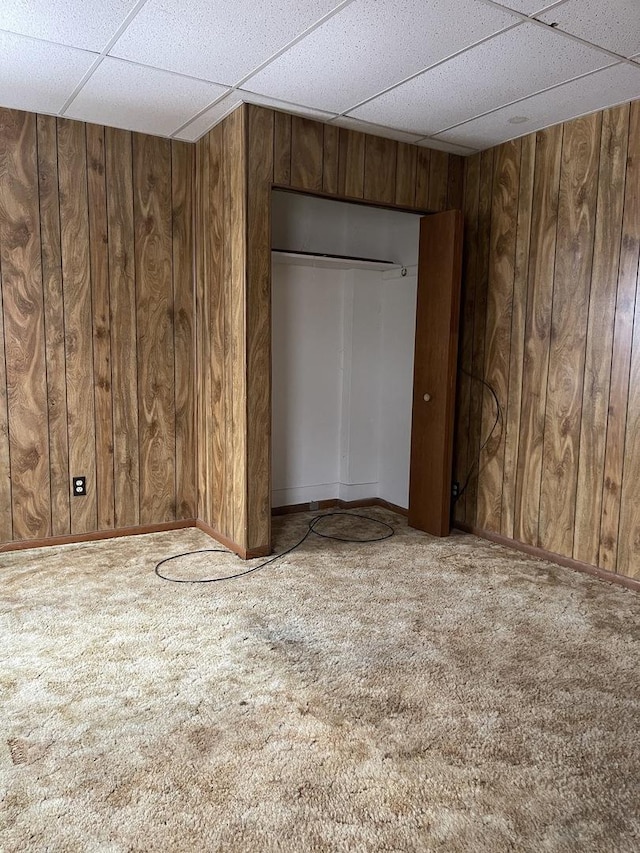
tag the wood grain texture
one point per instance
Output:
(76, 288)
(282, 148)
(24, 339)
(599, 339)
(54, 324)
(619, 468)
(258, 328)
(476, 437)
(574, 253)
(438, 180)
(380, 157)
(537, 332)
(455, 182)
(219, 463)
(101, 308)
(423, 173)
(124, 354)
(463, 459)
(6, 525)
(182, 171)
(406, 164)
(331, 152)
(307, 139)
(154, 309)
(513, 406)
(235, 176)
(202, 238)
(351, 164)
(571, 468)
(502, 249)
(68, 321)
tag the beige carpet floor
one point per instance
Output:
(416, 695)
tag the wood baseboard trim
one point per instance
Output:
(540, 553)
(243, 553)
(337, 503)
(97, 535)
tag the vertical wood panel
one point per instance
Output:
(282, 149)
(406, 175)
(380, 169)
(6, 527)
(76, 278)
(574, 251)
(24, 326)
(154, 291)
(423, 171)
(235, 296)
(184, 343)
(307, 138)
(464, 461)
(479, 323)
(54, 324)
(537, 332)
(438, 180)
(217, 343)
(260, 176)
(330, 159)
(124, 358)
(518, 318)
(602, 301)
(351, 164)
(98, 233)
(502, 248)
(455, 176)
(202, 331)
(613, 533)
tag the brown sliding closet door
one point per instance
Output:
(434, 377)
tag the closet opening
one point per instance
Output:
(344, 281)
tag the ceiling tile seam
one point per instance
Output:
(280, 105)
(585, 42)
(114, 38)
(48, 41)
(522, 15)
(264, 64)
(422, 71)
(522, 100)
(432, 138)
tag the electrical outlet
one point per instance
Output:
(313, 506)
(79, 486)
(455, 490)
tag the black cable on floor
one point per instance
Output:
(311, 529)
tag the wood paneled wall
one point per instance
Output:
(237, 164)
(551, 319)
(97, 332)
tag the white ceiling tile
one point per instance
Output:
(368, 47)
(614, 24)
(376, 129)
(135, 97)
(198, 127)
(509, 66)
(39, 76)
(449, 147)
(613, 85)
(89, 24)
(215, 39)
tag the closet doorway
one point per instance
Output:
(364, 344)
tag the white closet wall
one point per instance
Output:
(342, 357)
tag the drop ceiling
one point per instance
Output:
(460, 75)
